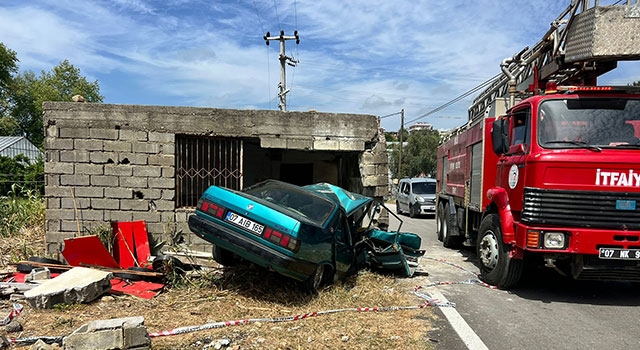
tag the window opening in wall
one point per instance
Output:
(205, 161)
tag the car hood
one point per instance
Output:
(349, 201)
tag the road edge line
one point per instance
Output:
(462, 328)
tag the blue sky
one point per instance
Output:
(358, 56)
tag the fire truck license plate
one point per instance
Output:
(620, 254)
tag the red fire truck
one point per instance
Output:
(547, 167)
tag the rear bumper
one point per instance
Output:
(249, 249)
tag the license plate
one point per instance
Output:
(619, 254)
(622, 204)
(245, 223)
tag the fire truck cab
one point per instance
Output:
(553, 174)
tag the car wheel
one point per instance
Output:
(412, 213)
(313, 283)
(398, 211)
(167, 264)
(497, 268)
(223, 256)
(439, 219)
(448, 241)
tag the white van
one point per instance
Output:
(416, 196)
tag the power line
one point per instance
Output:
(275, 6)
(437, 109)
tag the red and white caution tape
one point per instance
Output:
(17, 309)
(189, 329)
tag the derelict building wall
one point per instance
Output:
(108, 162)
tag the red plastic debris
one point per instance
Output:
(131, 243)
(87, 251)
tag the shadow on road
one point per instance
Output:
(547, 285)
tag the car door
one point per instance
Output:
(403, 196)
(344, 253)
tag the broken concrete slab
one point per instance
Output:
(78, 285)
(115, 334)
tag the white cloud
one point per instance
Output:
(359, 56)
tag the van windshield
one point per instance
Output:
(424, 187)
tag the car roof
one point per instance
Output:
(418, 179)
(350, 201)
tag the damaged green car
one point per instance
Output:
(315, 234)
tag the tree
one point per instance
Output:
(418, 156)
(61, 84)
(8, 67)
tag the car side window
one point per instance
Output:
(343, 234)
(405, 188)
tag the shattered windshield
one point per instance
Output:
(293, 199)
(591, 123)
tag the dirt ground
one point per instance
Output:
(215, 295)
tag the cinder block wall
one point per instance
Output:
(109, 163)
(98, 175)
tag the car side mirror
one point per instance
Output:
(500, 136)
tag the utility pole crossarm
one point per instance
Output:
(282, 86)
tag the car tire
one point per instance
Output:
(497, 268)
(24, 268)
(412, 213)
(315, 281)
(398, 211)
(166, 264)
(223, 256)
(45, 260)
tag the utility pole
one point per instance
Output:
(283, 60)
(400, 152)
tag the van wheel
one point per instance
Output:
(398, 208)
(439, 221)
(496, 267)
(412, 212)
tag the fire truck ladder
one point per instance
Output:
(584, 42)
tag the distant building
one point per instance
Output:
(11, 146)
(420, 126)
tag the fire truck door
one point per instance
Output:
(511, 165)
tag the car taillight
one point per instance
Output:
(212, 209)
(281, 239)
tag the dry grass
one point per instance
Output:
(244, 293)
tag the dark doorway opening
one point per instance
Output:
(297, 174)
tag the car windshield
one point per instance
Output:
(424, 187)
(592, 123)
(295, 200)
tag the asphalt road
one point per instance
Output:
(546, 311)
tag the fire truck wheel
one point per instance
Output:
(439, 224)
(496, 267)
(448, 240)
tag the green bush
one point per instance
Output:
(20, 171)
(21, 208)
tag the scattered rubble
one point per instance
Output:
(78, 285)
(116, 334)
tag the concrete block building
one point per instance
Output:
(106, 163)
